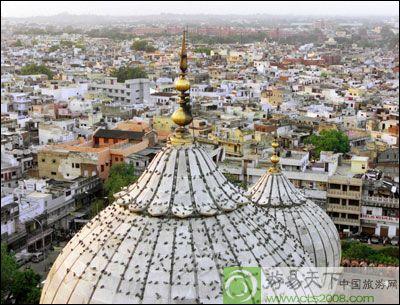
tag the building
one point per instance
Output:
(274, 193)
(380, 207)
(359, 165)
(156, 227)
(132, 91)
(344, 202)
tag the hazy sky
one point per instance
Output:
(342, 8)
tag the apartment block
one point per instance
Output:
(132, 91)
(344, 202)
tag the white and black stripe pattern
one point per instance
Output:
(277, 196)
(125, 257)
(182, 182)
(168, 237)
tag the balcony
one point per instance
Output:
(343, 194)
(13, 237)
(381, 201)
(343, 208)
(346, 221)
(32, 238)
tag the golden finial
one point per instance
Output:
(274, 158)
(182, 116)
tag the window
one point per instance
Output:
(54, 160)
(354, 188)
(73, 165)
(76, 165)
(102, 168)
(369, 212)
(43, 160)
(334, 200)
(354, 202)
(54, 173)
(363, 166)
(67, 193)
(105, 140)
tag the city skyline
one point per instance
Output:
(21, 9)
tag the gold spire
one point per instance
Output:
(274, 158)
(182, 116)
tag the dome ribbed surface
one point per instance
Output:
(168, 237)
(182, 182)
(277, 196)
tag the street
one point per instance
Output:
(43, 267)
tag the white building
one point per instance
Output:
(64, 93)
(54, 133)
(132, 91)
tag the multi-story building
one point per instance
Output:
(39, 209)
(132, 91)
(344, 202)
(380, 207)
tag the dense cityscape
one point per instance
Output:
(260, 108)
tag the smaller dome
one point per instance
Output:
(277, 196)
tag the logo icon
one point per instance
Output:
(242, 285)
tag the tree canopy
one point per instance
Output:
(121, 175)
(142, 45)
(124, 73)
(33, 69)
(205, 50)
(18, 43)
(356, 250)
(96, 206)
(329, 140)
(18, 287)
(235, 181)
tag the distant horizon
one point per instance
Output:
(33, 9)
(199, 14)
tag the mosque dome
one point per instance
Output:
(277, 196)
(168, 237)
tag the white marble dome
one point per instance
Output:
(278, 197)
(168, 237)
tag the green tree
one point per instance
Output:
(142, 45)
(235, 181)
(25, 288)
(80, 45)
(66, 43)
(329, 140)
(18, 43)
(124, 73)
(356, 250)
(54, 48)
(19, 287)
(205, 50)
(121, 175)
(96, 206)
(8, 268)
(36, 69)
